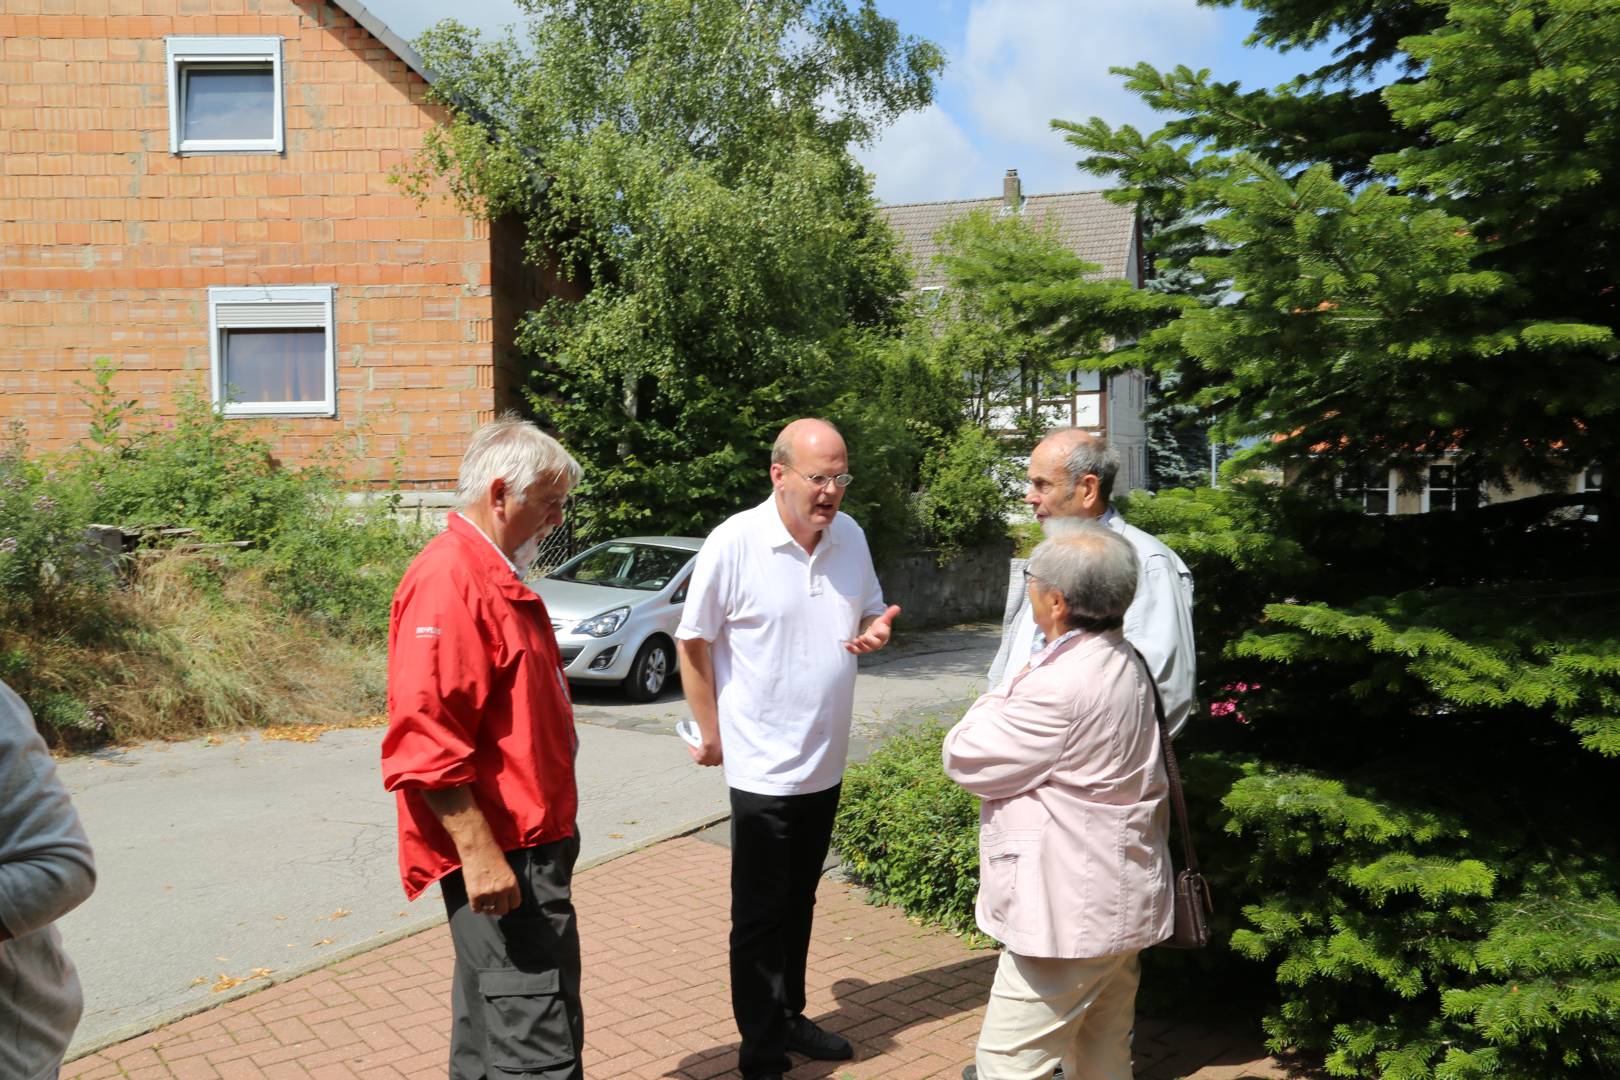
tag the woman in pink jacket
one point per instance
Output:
(1074, 862)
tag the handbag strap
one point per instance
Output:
(1172, 768)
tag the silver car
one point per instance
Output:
(615, 608)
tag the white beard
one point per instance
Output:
(526, 553)
(1063, 526)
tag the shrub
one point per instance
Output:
(910, 835)
(341, 563)
(1404, 696)
(196, 469)
(965, 492)
(192, 642)
(46, 569)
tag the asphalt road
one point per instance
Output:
(225, 864)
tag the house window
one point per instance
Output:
(225, 95)
(273, 351)
(1445, 491)
(929, 296)
(1373, 489)
(1592, 482)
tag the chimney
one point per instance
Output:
(1012, 192)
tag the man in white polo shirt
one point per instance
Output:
(782, 600)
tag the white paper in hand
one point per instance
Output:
(688, 731)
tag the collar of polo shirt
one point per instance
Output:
(780, 537)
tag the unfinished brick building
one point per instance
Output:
(198, 190)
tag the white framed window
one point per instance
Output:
(1444, 491)
(929, 296)
(225, 95)
(1591, 480)
(1372, 489)
(272, 350)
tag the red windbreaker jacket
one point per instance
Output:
(476, 695)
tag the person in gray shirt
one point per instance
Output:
(46, 871)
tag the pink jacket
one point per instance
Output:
(1074, 857)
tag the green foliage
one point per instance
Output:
(966, 489)
(1434, 942)
(340, 563)
(194, 468)
(45, 566)
(1414, 252)
(690, 164)
(910, 835)
(1398, 254)
(1021, 311)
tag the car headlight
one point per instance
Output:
(604, 624)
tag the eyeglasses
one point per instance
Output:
(840, 481)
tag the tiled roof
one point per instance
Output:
(1088, 224)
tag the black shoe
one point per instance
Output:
(971, 1072)
(815, 1042)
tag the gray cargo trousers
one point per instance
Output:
(515, 1012)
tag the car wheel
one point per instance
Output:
(650, 671)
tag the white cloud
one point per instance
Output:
(1025, 62)
(924, 156)
(1021, 64)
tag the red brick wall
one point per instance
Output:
(108, 242)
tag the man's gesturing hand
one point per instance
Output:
(874, 633)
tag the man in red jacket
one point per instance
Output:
(480, 753)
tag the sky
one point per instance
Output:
(1011, 67)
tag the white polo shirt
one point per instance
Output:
(777, 619)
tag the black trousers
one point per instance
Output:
(515, 996)
(778, 843)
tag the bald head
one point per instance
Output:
(1084, 454)
(805, 438)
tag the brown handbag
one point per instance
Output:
(1192, 900)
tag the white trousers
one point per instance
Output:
(1043, 1011)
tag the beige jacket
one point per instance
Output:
(1073, 832)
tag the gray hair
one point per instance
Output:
(1094, 568)
(516, 451)
(1091, 457)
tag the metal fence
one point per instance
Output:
(560, 546)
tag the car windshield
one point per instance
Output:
(624, 566)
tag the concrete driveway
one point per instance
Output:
(228, 863)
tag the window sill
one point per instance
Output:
(251, 412)
(206, 151)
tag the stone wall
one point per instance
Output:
(972, 587)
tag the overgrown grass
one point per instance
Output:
(192, 646)
(291, 630)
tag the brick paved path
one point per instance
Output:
(657, 1004)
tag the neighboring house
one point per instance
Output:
(1100, 232)
(199, 191)
(1442, 488)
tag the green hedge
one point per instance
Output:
(910, 835)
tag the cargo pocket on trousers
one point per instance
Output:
(525, 1021)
